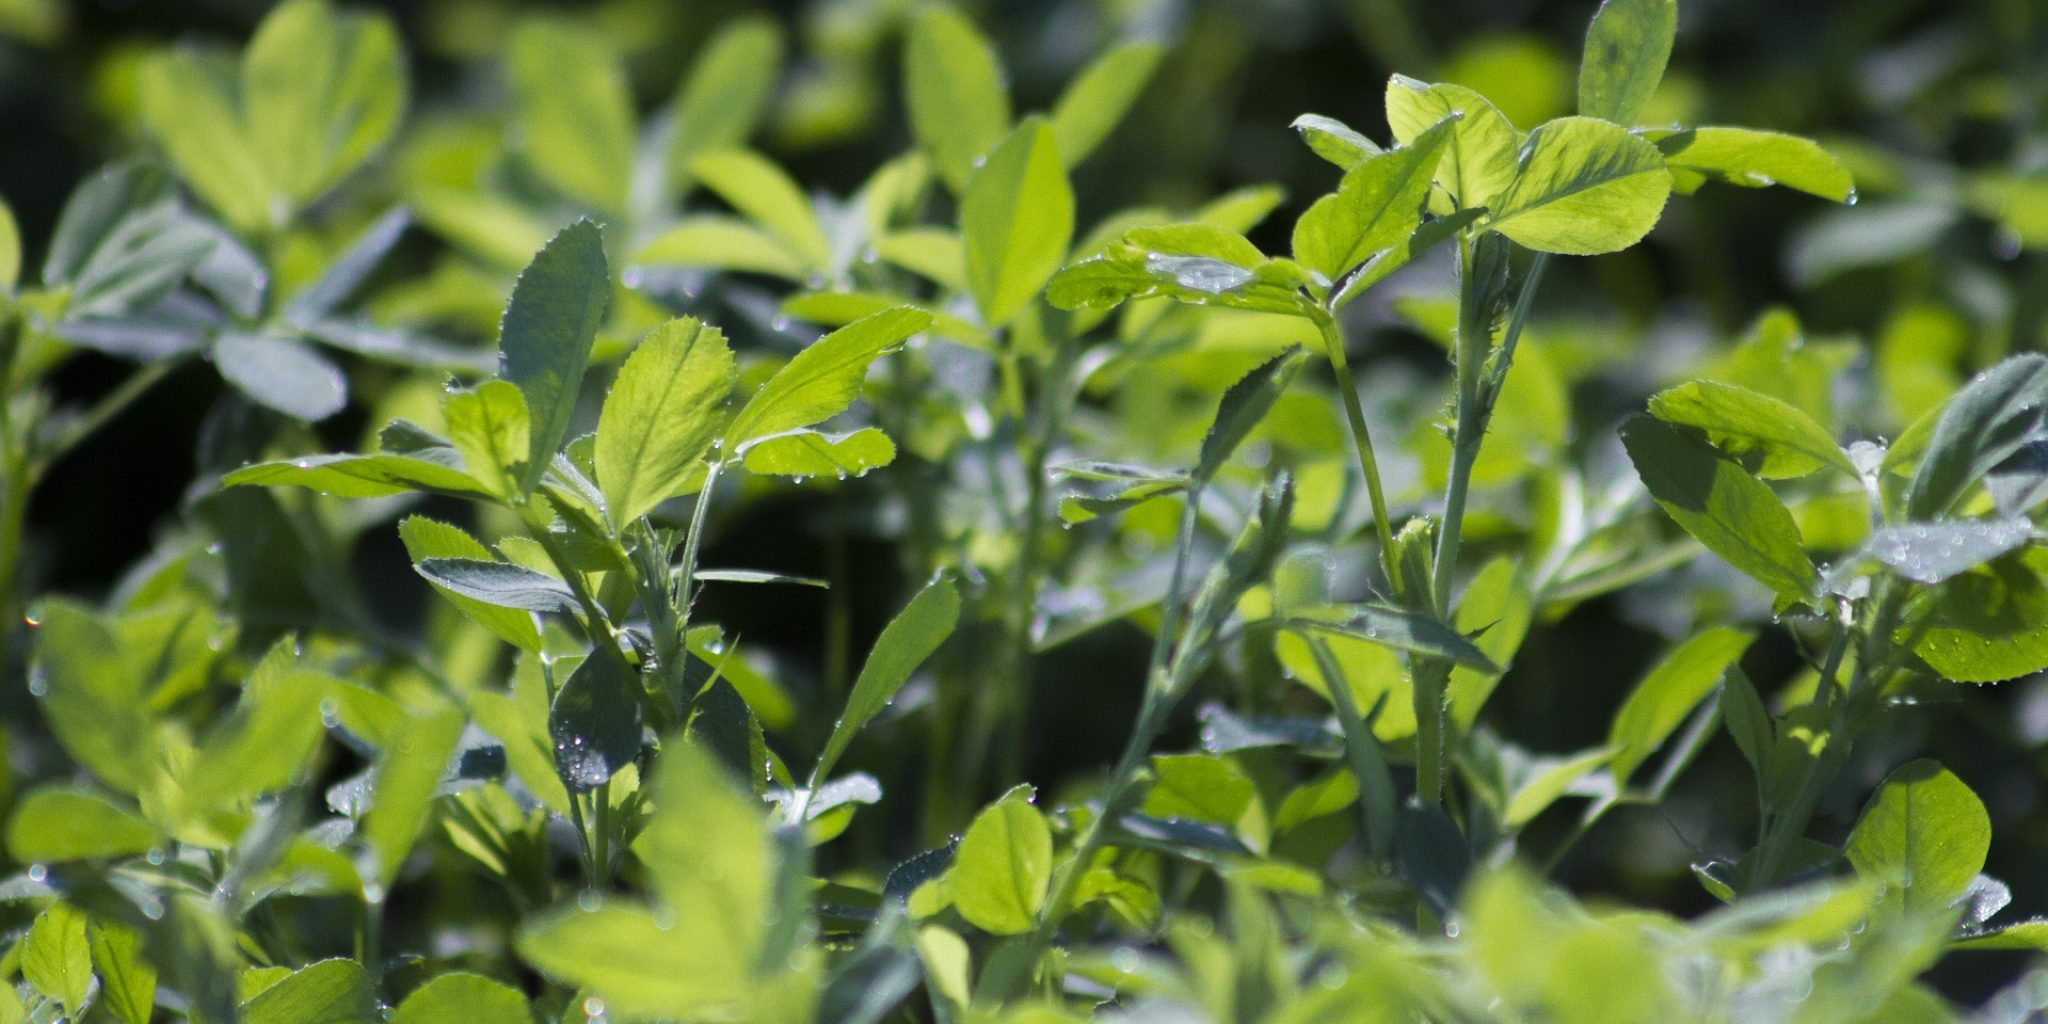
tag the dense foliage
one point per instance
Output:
(965, 568)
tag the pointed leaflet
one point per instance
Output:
(186, 110)
(910, 638)
(1003, 866)
(544, 341)
(1584, 187)
(595, 722)
(1734, 514)
(1017, 218)
(94, 700)
(1981, 426)
(1402, 630)
(360, 476)
(1481, 159)
(764, 194)
(808, 453)
(1377, 207)
(426, 538)
(1627, 47)
(661, 415)
(1924, 835)
(729, 85)
(1335, 141)
(958, 104)
(1660, 703)
(57, 957)
(408, 775)
(501, 584)
(823, 380)
(1099, 97)
(328, 992)
(574, 110)
(490, 427)
(127, 981)
(1754, 159)
(322, 90)
(1778, 438)
(1243, 406)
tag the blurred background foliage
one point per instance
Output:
(1939, 107)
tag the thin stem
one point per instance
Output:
(1376, 800)
(1361, 439)
(691, 542)
(110, 405)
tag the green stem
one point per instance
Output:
(1361, 439)
(692, 541)
(1376, 799)
(110, 405)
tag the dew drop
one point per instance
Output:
(38, 684)
(1851, 198)
(593, 1009)
(780, 323)
(37, 872)
(32, 620)
(589, 900)
(155, 856)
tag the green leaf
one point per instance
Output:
(1194, 263)
(549, 326)
(574, 111)
(1584, 187)
(322, 91)
(1754, 159)
(1198, 787)
(57, 958)
(595, 722)
(1544, 781)
(823, 380)
(281, 373)
(95, 702)
(402, 790)
(721, 243)
(642, 970)
(10, 249)
(730, 84)
(1748, 720)
(93, 212)
(1400, 630)
(127, 981)
(1773, 436)
(1243, 406)
(489, 426)
(1985, 626)
(462, 998)
(189, 113)
(62, 824)
(1980, 427)
(1003, 866)
(837, 309)
(328, 992)
(1378, 205)
(260, 748)
(1658, 705)
(1931, 553)
(359, 476)
(1734, 514)
(1335, 141)
(1480, 161)
(709, 855)
(500, 584)
(909, 639)
(764, 194)
(1627, 47)
(959, 107)
(1099, 97)
(809, 453)
(661, 415)
(1017, 218)
(1923, 835)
